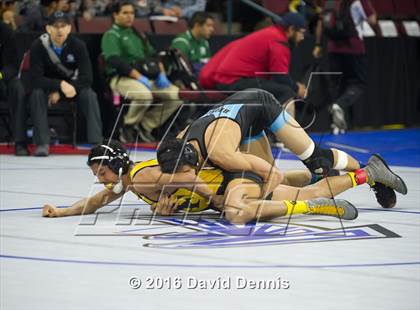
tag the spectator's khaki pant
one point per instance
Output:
(141, 110)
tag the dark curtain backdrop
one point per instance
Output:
(393, 90)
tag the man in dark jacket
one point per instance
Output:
(12, 88)
(71, 79)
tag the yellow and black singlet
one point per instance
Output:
(216, 179)
(139, 166)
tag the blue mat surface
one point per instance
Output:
(398, 147)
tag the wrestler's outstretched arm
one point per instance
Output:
(85, 206)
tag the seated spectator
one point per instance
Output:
(7, 13)
(24, 6)
(37, 16)
(90, 8)
(134, 73)
(146, 8)
(11, 87)
(183, 8)
(62, 5)
(258, 60)
(194, 43)
(51, 82)
(71, 8)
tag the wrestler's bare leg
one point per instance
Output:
(242, 204)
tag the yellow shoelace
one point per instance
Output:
(327, 210)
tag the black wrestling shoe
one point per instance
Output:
(385, 195)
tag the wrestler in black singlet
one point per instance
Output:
(252, 109)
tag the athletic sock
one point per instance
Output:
(296, 207)
(308, 152)
(358, 177)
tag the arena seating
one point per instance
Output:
(384, 8)
(95, 25)
(405, 9)
(218, 28)
(397, 17)
(276, 6)
(164, 27)
(102, 24)
(142, 25)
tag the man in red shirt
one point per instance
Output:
(258, 60)
(346, 52)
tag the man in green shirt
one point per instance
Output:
(127, 54)
(194, 43)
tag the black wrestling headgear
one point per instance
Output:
(173, 154)
(112, 154)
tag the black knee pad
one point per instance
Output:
(321, 161)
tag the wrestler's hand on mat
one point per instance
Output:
(165, 206)
(50, 211)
